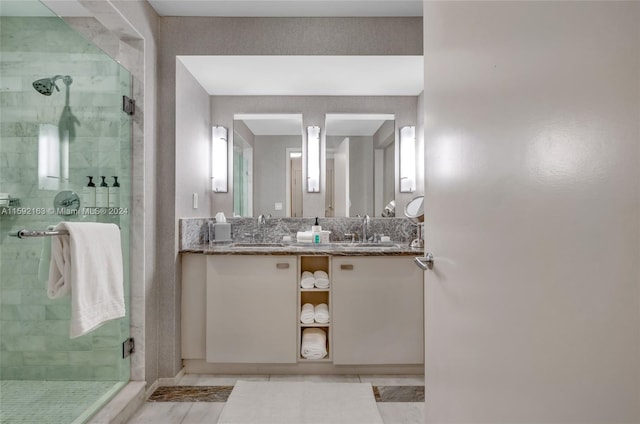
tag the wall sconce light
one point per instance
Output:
(313, 159)
(407, 159)
(219, 154)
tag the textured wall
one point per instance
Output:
(247, 36)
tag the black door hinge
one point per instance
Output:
(128, 105)
(128, 347)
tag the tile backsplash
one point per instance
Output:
(195, 231)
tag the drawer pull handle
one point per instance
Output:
(282, 266)
(347, 267)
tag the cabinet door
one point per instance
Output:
(377, 311)
(251, 309)
(194, 305)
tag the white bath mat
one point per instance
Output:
(275, 402)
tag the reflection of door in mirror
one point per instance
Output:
(338, 153)
(273, 138)
(329, 195)
(296, 184)
(362, 148)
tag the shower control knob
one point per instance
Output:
(66, 203)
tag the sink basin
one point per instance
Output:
(249, 244)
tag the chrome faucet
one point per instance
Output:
(365, 226)
(262, 222)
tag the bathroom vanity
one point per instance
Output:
(241, 307)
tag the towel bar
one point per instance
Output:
(39, 233)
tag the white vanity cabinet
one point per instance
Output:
(377, 310)
(194, 305)
(251, 309)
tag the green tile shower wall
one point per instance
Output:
(34, 330)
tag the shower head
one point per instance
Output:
(46, 85)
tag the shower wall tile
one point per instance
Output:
(35, 329)
(22, 313)
(12, 359)
(62, 343)
(46, 358)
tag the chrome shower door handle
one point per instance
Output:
(425, 262)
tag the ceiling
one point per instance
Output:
(308, 75)
(248, 8)
(288, 8)
(272, 124)
(355, 125)
(363, 125)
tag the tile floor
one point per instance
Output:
(208, 412)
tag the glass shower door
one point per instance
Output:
(61, 120)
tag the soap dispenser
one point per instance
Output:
(114, 193)
(102, 194)
(89, 194)
(316, 232)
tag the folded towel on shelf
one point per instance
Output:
(321, 313)
(304, 237)
(87, 264)
(314, 343)
(322, 279)
(307, 280)
(307, 314)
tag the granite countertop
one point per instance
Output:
(332, 249)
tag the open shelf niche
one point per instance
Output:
(314, 296)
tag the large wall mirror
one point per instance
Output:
(267, 165)
(360, 164)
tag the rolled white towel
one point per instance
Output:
(314, 343)
(322, 279)
(321, 313)
(304, 237)
(307, 314)
(307, 280)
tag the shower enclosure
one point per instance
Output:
(62, 119)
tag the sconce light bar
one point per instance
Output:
(408, 159)
(313, 159)
(219, 154)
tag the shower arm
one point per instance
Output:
(65, 78)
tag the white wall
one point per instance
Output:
(269, 176)
(361, 176)
(532, 136)
(245, 133)
(193, 129)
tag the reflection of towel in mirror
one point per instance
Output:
(307, 314)
(321, 313)
(322, 279)
(307, 280)
(87, 263)
(314, 343)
